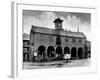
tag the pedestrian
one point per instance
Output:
(65, 57)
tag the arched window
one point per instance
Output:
(58, 40)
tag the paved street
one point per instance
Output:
(56, 64)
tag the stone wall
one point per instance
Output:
(38, 39)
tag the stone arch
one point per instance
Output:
(73, 52)
(80, 52)
(66, 50)
(25, 57)
(41, 50)
(50, 51)
(59, 52)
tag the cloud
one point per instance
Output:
(45, 19)
(71, 21)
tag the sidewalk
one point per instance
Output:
(54, 64)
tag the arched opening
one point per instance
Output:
(80, 52)
(73, 52)
(41, 51)
(66, 50)
(50, 51)
(59, 52)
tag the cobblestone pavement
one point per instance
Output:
(56, 64)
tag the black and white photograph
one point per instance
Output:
(55, 39)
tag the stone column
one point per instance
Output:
(77, 53)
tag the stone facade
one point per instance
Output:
(51, 44)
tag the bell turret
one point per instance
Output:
(58, 23)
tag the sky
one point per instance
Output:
(71, 21)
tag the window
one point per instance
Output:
(73, 40)
(66, 39)
(80, 40)
(58, 40)
(25, 50)
(25, 43)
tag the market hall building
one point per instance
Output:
(52, 44)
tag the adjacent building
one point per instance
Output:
(88, 49)
(26, 43)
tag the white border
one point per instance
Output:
(17, 70)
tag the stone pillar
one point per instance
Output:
(31, 53)
(77, 53)
(70, 52)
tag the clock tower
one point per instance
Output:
(58, 23)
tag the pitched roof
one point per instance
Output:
(57, 32)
